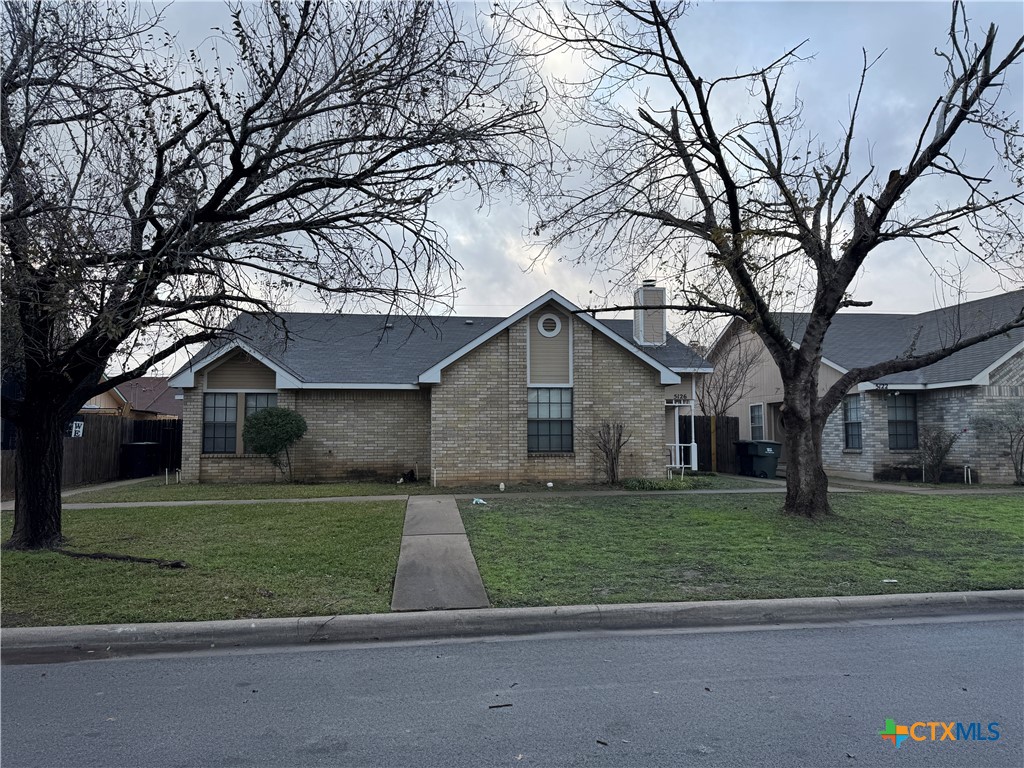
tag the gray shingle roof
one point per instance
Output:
(151, 393)
(376, 349)
(673, 353)
(857, 339)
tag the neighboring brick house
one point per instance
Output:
(876, 427)
(457, 399)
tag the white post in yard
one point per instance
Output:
(693, 431)
(677, 457)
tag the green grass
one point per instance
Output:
(155, 490)
(691, 482)
(638, 549)
(253, 561)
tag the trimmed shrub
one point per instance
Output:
(272, 432)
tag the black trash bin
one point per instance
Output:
(764, 457)
(139, 460)
(745, 451)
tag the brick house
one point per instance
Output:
(457, 399)
(874, 432)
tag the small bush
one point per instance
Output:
(686, 483)
(273, 431)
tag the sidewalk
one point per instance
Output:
(8, 505)
(769, 487)
(436, 567)
(951, 490)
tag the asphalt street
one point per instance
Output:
(792, 696)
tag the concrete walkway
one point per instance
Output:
(9, 504)
(436, 567)
(950, 489)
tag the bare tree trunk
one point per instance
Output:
(39, 464)
(806, 482)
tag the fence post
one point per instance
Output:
(714, 443)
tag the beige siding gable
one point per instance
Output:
(240, 372)
(550, 355)
(766, 386)
(104, 400)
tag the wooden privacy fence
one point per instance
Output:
(727, 432)
(164, 435)
(94, 456)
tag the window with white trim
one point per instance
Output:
(549, 420)
(851, 423)
(757, 422)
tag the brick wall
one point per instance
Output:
(363, 433)
(479, 413)
(628, 392)
(990, 452)
(956, 409)
(192, 430)
(351, 433)
(844, 462)
(470, 436)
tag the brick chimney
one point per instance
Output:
(649, 324)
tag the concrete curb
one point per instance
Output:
(49, 644)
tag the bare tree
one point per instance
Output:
(610, 440)
(735, 359)
(149, 196)
(752, 213)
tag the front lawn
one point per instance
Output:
(248, 561)
(638, 549)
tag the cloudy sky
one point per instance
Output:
(724, 37)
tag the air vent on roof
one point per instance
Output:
(389, 325)
(469, 322)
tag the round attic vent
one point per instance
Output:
(549, 325)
